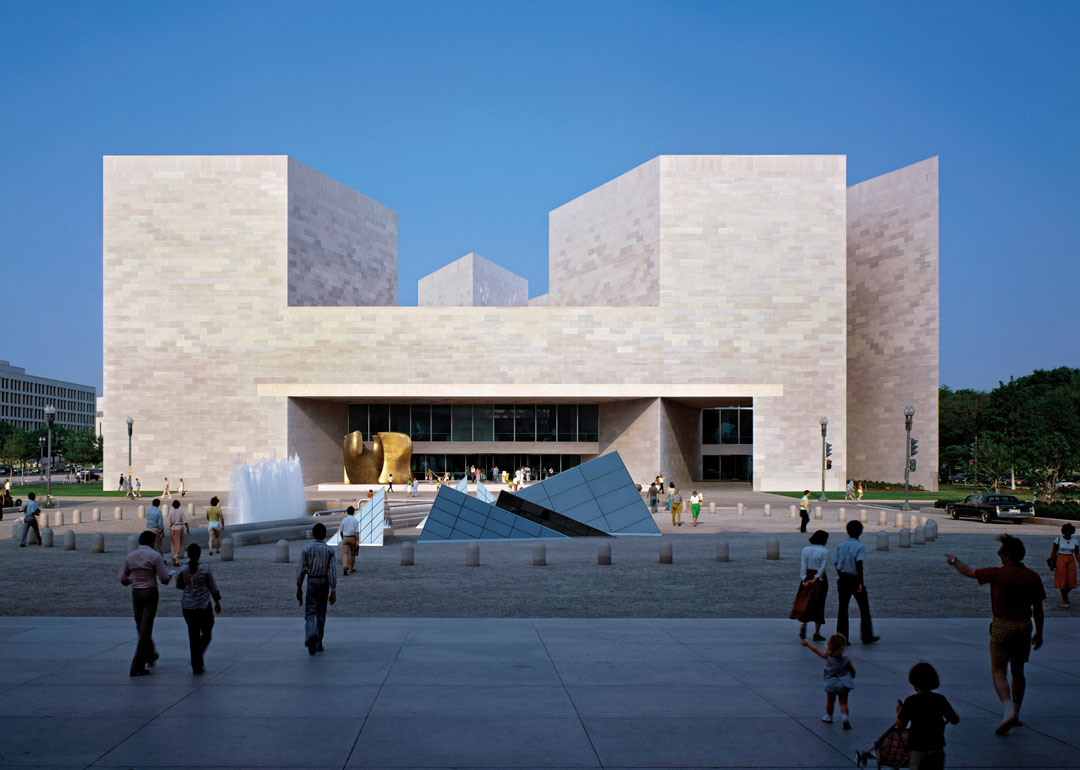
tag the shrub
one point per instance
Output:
(1058, 510)
(890, 485)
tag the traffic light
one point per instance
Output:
(971, 447)
(828, 465)
(828, 450)
(911, 465)
(914, 447)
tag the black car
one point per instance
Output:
(988, 507)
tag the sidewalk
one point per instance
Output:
(614, 693)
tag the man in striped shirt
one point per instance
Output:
(318, 563)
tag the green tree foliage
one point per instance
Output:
(1030, 426)
(82, 447)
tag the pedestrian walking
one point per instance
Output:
(183, 489)
(848, 559)
(1016, 597)
(670, 494)
(839, 677)
(197, 582)
(317, 563)
(859, 493)
(129, 488)
(695, 505)
(215, 524)
(143, 569)
(849, 490)
(676, 507)
(30, 512)
(804, 510)
(928, 713)
(120, 484)
(138, 487)
(809, 604)
(350, 539)
(178, 525)
(166, 494)
(1062, 562)
(654, 496)
(155, 522)
(390, 483)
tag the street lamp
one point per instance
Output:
(824, 429)
(909, 414)
(130, 423)
(50, 417)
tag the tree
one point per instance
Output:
(995, 461)
(82, 447)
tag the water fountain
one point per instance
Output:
(269, 490)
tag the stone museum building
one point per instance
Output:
(703, 314)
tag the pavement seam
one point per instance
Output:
(581, 721)
(371, 706)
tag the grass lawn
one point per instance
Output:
(897, 493)
(62, 489)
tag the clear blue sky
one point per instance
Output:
(473, 119)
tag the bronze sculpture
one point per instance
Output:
(390, 453)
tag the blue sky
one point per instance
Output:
(474, 119)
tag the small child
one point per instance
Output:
(927, 712)
(839, 676)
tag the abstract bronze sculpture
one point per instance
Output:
(390, 453)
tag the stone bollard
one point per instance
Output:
(118, 513)
(142, 511)
(905, 538)
(768, 510)
(665, 553)
(883, 518)
(69, 541)
(931, 530)
(16, 533)
(920, 535)
(882, 543)
(472, 555)
(539, 553)
(913, 522)
(95, 514)
(723, 552)
(741, 509)
(842, 515)
(190, 510)
(133, 542)
(227, 549)
(923, 520)
(862, 515)
(57, 518)
(794, 512)
(603, 554)
(772, 549)
(712, 508)
(281, 552)
(817, 513)
(76, 516)
(899, 521)
(47, 537)
(407, 554)
(97, 543)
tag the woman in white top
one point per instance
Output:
(1063, 558)
(809, 604)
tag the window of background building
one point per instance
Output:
(525, 422)
(728, 425)
(567, 422)
(440, 422)
(420, 416)
(462, 422)
(399, 418)
(545, 422)
(378, 418)
(483, 423)
(504, 422)
(710, 426)
(588, 422)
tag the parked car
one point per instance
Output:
(988, 507)
(88, 475)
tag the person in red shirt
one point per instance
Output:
(1016, 597)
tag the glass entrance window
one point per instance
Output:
(588, 422)
(378, 418)
(504, 422)
(567, 422)
(440, 422)
(399, 418)
(462, 423)
(545, 422)
(525, 422)
(421, 423)
(727, 425)
(483, 423)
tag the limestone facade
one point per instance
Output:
(687, 281)
(472, 281)
(893, 322)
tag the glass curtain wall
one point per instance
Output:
(481, 422)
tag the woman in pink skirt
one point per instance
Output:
(177, 527)
(1062, 561)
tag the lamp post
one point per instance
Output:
(909, 414)
(824, 429)
(41, 454)
(50, 417)
(130, 423)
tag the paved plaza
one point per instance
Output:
(434, 693)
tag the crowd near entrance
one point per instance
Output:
(540, 466)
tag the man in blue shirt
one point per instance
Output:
(848, 558)
(155, 522)
(29, 511)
